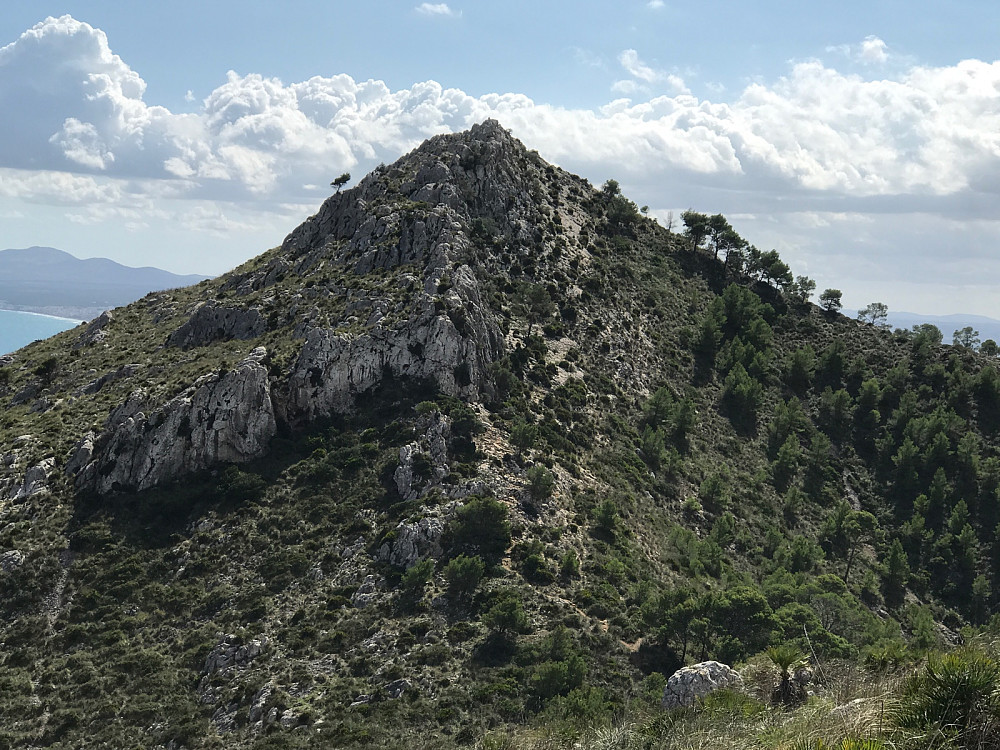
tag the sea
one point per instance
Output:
(19, 329)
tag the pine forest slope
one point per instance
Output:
(478, 445)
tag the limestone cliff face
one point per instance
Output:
(221, 418)
(453, 347)
(382, 281)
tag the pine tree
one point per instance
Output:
(896, 575)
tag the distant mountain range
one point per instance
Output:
(50, 281)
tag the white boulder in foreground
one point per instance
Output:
(688, 684)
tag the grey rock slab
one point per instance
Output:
(225, 417)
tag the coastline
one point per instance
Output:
(76, 321)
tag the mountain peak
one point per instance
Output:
(476, 442)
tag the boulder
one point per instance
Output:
(11, 560)
(689, 684)
(260, 699)
(367, 593)
(224, 718)
(125, 371)
(397, 687)
(230, 653)
(34, 481)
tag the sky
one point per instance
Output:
(859, 139)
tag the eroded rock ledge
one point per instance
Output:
(221, 418)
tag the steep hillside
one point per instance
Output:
(477, 445)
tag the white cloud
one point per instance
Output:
(629, 60)
(435, 9)
(924, 141)
(58, 188)
(930, 131)
(874, 50)
(588, 58)
(871, 51)
(655, 4)
(626, 86)
(644, 76)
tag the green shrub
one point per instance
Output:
(540, 482)
(523, 435)
(744, 396)
(239, 486)
(481, 528)
(507, 617)
(569, 565)
(552, 678)
(414, 580)
(606, 517)
(956, 695)
(786, 657)
(462, 575)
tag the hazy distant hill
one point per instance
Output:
(988, 327)
(50, 281)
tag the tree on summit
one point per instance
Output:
(621, 212)
(800, 290)
(695, 227)
(341, 181)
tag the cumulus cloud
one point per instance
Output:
(77, 131)
(58, 188)
(644, 76)
(874, 50)
(72, 106)
(435, 9)
(871, 51)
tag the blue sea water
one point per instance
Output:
(19, 329)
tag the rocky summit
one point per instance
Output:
(479, 453)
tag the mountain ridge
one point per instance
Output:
(53, 282)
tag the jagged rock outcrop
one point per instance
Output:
(413, 541)
(123, 372)
(424, 462)
(95, 332)
(689, 684)
(221, 418)
(214, 322)
(34, 481)
(451, 342)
